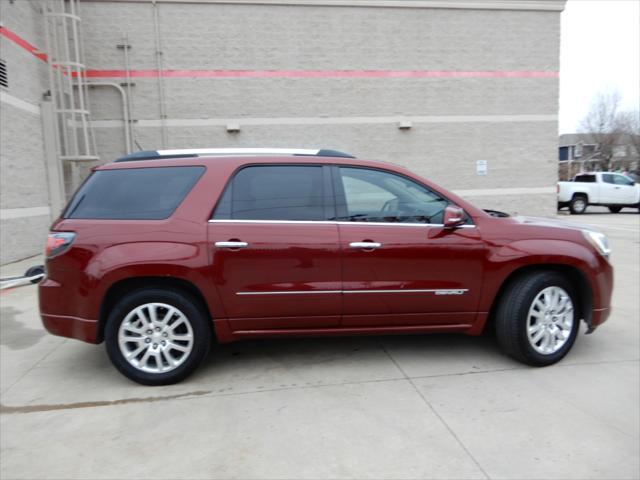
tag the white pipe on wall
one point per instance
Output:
(125, 110)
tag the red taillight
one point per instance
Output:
(58, 242)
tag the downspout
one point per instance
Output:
(125, 112)
(125, 46)
(160, 68)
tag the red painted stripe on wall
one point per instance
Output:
(320, 74)
(21, 42)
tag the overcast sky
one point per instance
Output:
(600, 51)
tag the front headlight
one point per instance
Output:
(599, 241)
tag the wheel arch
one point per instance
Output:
(577, 278)
(127, 285)
(580, 194)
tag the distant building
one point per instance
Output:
(447, 88)
(579, 152)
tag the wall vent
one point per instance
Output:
(4, 80)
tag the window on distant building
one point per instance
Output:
(577, 150)
(620, 151)
(588, 150)
(564, 154)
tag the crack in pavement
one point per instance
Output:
(22, 409)
(4, 409)
(436, 413)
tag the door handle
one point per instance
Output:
(231, 244)
(617, 188)
(365, 245)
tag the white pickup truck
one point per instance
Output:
(606, 189)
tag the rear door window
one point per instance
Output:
(585, 179)
(133, 193)
(274, 192)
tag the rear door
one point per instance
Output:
(275, 260)
(400, 265)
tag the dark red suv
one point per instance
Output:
(160, 253)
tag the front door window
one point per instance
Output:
(376, 196)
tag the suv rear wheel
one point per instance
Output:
(157, 337)
(536, 321)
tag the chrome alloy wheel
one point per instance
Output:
(155, 338)
(550, 320)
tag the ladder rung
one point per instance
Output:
(79, 158)
(73, 110)
(68, 64)
(60, 14)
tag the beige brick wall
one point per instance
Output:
(356, 115)
(23, 180)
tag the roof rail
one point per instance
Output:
(209, 152)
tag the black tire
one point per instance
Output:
(512, 317)
(615, 209)
(578, 204)
(195, 316)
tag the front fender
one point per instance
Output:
(508, 259)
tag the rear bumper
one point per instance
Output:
(57, 315)
(71, 327)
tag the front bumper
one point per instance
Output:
(598, 317)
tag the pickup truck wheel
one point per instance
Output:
(615, 209)
(536, 322)
(157, 337)
(578, 204)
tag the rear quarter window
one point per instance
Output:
(585, 179)
(133, 193)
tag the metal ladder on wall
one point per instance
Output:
(76, 147)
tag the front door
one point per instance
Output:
(400, 266)
(625, 190)
(275, 262)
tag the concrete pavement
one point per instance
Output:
(440, 406)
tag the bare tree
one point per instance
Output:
(602, 126)
(629, 125)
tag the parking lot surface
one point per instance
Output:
(439, 406)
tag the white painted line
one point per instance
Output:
(358, 120)
(18, 103)
(483, 192)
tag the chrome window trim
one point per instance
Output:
(437, 291)
(330, 222)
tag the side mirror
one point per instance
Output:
(453, 216)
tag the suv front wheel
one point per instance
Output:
(536, 319)
(157, 337)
